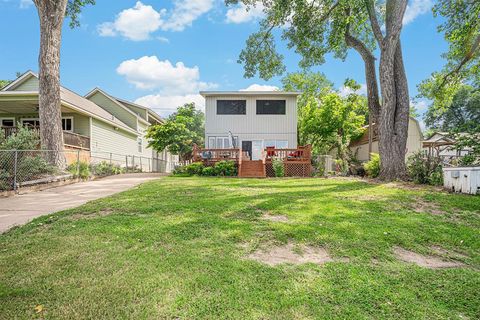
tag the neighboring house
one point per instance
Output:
(252, 120)
(360, 147)
(442, 144)
(103, 126)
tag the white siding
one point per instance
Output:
(414, 143)
(106, 139)
(252, 126)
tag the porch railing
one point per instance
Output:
(69, 138)
(214, 155)
(301, 154)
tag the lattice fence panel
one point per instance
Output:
(269, 170)
(298, 169)
(291, 169)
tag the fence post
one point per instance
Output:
(133, 163)
(149, 166)
(126, 164)
(141, 167)
(15, 171)
(78, 163)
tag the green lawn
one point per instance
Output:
(177, 247)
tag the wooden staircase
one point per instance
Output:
(251, 169)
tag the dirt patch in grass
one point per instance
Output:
(274, 218)
(430, 262)
(421, 206)
(101, 213)
(290, 253)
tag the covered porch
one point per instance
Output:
(24, 112)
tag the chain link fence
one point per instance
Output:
(23, 168)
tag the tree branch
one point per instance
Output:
(465, 60)
(377, 31)
(394, 21)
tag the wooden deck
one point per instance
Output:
(297, 162)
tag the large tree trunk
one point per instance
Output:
(51, 14)
(393, 121)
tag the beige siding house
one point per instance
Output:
(252, 120)
(103, 126)
(360, 147)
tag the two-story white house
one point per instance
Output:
(251, 120)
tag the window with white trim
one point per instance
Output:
(7, 122)
(67, 124)
(30, 122)
(140, 144)
(221, 142)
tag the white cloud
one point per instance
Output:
(175, 84)
(25, 4)
(345, 91)
(166, 105)
(151, 73)
(185, 12)
(139, 22)
(163, 39)
(260, 87)
(135, 24)
(240, 13)
(415, 9)
(420, 105)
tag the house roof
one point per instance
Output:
(150, 111)
(68, 98)
(364, 138)
(122, 104)
(248, 93)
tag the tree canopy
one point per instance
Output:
(315, 28)
(180, 131)
(326, 120)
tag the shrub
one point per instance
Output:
(424, 169)
(209, 171)
(278, 167)
(105, 168)
(30, 167)
(79, 170)
(225, 168)
(194, 168)
(180, 171)
(372, 167)
(23, 139)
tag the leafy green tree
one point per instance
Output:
(180, 131)
(4, 83)
(326, 120)
(51, 16)
(315, 28)
(463, 113)
(461, 29)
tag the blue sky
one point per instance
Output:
(161, 53)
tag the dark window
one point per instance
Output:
(271, 106)
(231, 107)
(67, 124)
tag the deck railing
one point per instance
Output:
(69, 138)
(300, 154)
(214, 155)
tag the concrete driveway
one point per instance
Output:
(22, 208)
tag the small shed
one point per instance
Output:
(462, 179)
